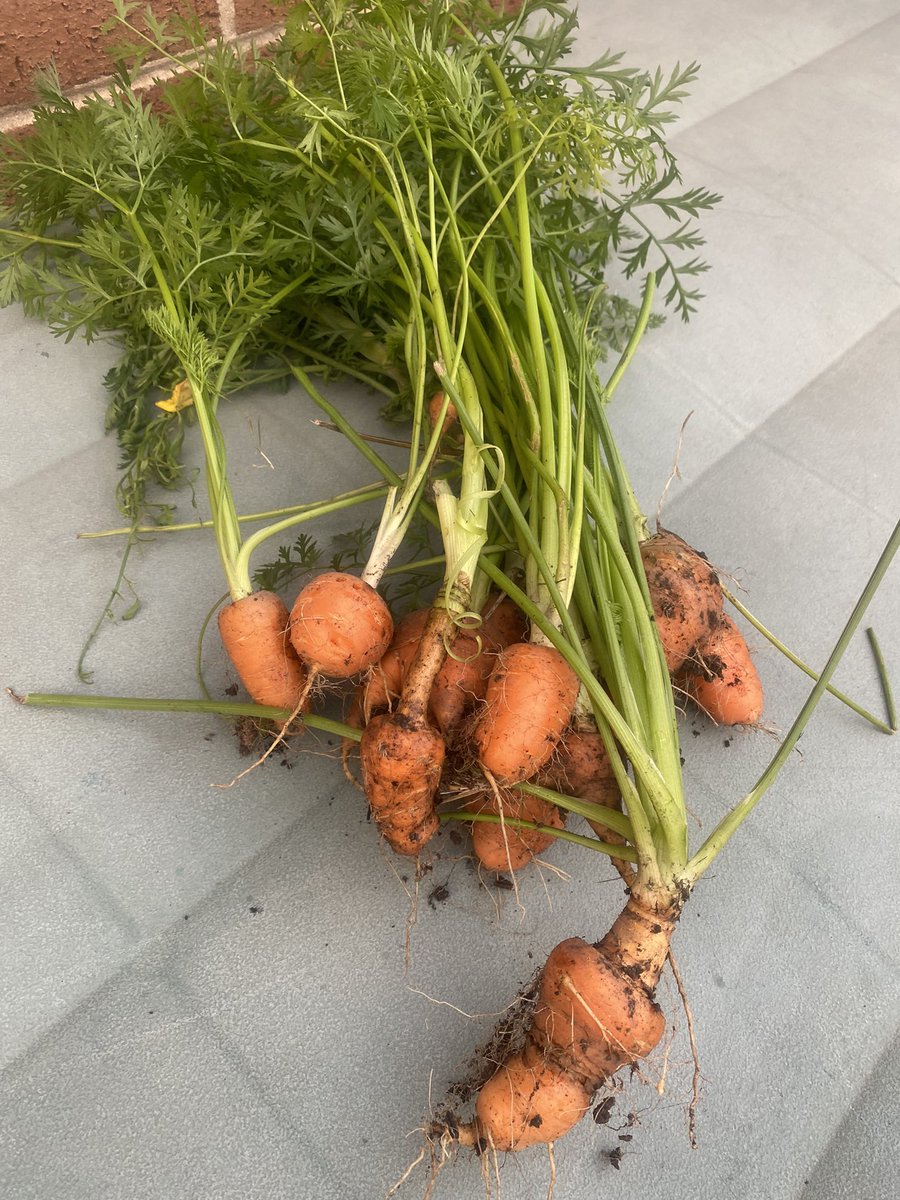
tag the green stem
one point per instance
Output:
(35, 239)
(85, 676)
(807, 670)
(198, 658)
(657, 864)
(419, 564)
(371, 491)
(613, 850)
(720, 836)
(221, 502)
(885, 680)
(553, 533)
(659, 707)
(381, 466)
(326, 362)
(238, 340)
(637, 333)
(225, 708)
(256, 540)
(611, 817)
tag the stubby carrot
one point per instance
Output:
(339, 625)
(382, 686)
(595, 1013)
(402, 754)
(254, 633)
(685, 592)
(462, 678)
(723, 679)
(503, 847)
(529, 702)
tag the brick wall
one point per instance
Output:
(34, 33)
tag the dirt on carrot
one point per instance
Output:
(722, 678)
(595, 1012)
(685, 592)
(529, 702)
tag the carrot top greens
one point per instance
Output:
(231, 209)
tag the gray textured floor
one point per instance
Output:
(203, 993)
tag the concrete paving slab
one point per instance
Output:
(148, 777)
(61, 928)
(739, 54)
(829, 172)
(834, 427)
(773, 320)
(137, 1098)
(66, 380)
(863, 1152)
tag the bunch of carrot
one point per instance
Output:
(544, 676)
(575, 689)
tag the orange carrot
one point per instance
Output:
(528, 1101)
(340, 625)
(504, 623)
(595, 1013)
(255, 636)
(502, 847)
(402, 756)
(581, 767)
(528, 704)
(463, 678)
(685, 592)
(401, 771)
(382, 686)
(722, 678)
(435, 404)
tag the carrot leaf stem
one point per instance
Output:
(720, 836)
(322, 509)
(225, 708)
(615, 820)
(371, 491)
(107, 612)
(885, 680)
(745, 612)
(611, 849)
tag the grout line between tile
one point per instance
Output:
(760, 430)
(808, 218)
(787, 74)
(145, 945)
(851, 1107)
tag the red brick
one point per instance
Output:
(257, 14)
(67, 32)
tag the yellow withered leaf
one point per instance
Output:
(181, 397)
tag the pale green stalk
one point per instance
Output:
(612, 849)
(885, 680)
(807, 670)
(356, 496)
(224, 708)
(729, 825)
